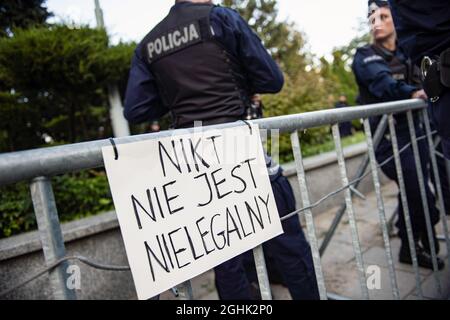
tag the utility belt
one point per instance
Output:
(436, 74)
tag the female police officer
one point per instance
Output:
(383, 73)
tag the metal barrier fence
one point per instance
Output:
(40, 164)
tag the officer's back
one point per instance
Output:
(202, 62)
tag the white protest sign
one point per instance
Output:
(187, 203)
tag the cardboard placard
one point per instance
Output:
(187, 203)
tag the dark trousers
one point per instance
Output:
(415, 205)
(443, 179)
(290, 251)
(440, 115)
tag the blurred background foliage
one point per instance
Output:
(53, 90)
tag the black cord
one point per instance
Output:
(249, 126)
(116, 152)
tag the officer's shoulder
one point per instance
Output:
(225, 11)
(364, 50)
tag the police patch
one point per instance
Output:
(174, 40)
(399, 76)
(372, 58)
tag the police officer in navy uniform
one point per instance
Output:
(383, 73)
(423, 30)
(203, 63)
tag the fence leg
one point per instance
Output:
(404, 199)
(415, 145)
(51, 236)
(350, 213)
(185, 291)
(361, 169)
(308, 215)
(381, 211)
(261, 271)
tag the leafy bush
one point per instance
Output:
(77, 195)
(81, 195)
(58, 76)
(16, 210)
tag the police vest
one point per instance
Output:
(401, 71)
(197, 79)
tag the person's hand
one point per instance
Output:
(419, 94)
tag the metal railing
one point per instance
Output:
(39, 165)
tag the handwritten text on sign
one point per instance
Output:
(189, 202)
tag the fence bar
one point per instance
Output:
(308, 215)
(51, 236)
(25, 165)
(361, 169)
(437, 179)
(264, 139)
(381, 211)
(184, 291)
(357, 193)
(332, 229)
(404, 199)
(391, 223)
(350, 213)
(415, 147)
(261, 271)
(275, 145)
